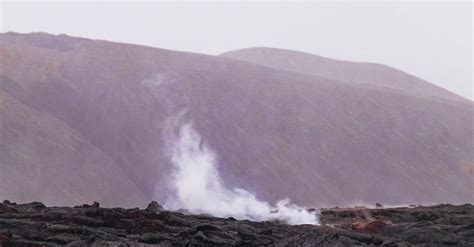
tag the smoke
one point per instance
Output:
(199, 188)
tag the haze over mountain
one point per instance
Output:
(84, 120)
(354, 72)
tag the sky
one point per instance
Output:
(431, 40)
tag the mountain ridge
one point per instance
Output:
(357, 72)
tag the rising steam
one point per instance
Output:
(199, 188)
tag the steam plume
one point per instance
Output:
(200, 189)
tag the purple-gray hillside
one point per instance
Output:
(353, 72)
(84, 120)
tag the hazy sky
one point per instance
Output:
(430, 40)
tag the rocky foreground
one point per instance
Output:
(34, 224)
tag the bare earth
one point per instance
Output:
(84, 120)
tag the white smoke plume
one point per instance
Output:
(200, 189)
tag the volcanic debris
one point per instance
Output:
(34, 224)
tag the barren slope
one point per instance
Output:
(353, 72)
(277, 133)
(44, 159)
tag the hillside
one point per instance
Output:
(85, 119)
(378, 75)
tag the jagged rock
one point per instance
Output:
(93, 205)
(32, 207)
(36, 225)
(154, 207)
(369, 227)
(5, 237)
(154, 238)
(63, 238)
(5, 208)
(88, 221)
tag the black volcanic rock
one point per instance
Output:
(83, 120)
(154, 207)
(435, 225)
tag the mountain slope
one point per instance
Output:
(276, 133)
(42, 158)
(352, 72)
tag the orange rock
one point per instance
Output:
(358, 224)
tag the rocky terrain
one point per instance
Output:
(34, 224)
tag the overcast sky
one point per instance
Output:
(430, 40)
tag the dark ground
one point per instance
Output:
(34, 224)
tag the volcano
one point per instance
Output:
(85, 120)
